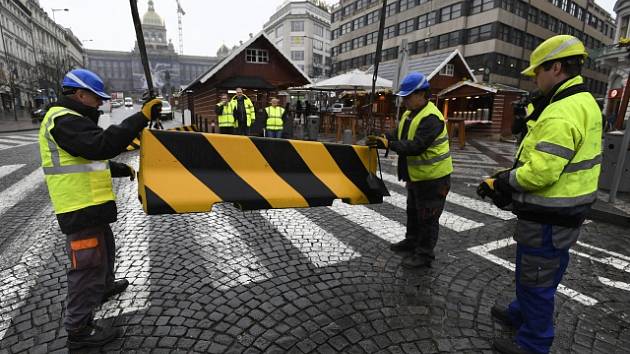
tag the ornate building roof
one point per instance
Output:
(151, 17)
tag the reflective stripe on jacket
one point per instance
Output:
(249, 110)
(226, 118)
(435, 161)
(559, 160)
(274, 117)
(73, 182)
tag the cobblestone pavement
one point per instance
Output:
(318, 280)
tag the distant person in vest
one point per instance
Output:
(424, 163)
(243, 112)
(75, 152)
(274, 118)
(225, 115)
(551, 187)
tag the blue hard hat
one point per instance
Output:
(87, 80)
(412, 82)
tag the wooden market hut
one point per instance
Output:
(257, 66)
(486, 108)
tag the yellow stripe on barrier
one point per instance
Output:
(326, 169)
(170, 180)
(244, 158)
(135, 144)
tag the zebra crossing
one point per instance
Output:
(15, 140)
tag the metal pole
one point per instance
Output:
(621, 158)
(377, 59)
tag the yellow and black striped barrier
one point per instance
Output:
(135, 144)
(189, 172)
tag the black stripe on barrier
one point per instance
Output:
(155, 204)
(288, 164)
(352, 166)
(201, 159)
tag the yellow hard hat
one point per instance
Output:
(556, 47)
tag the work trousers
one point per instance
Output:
(226, 130)
(542, 257)
(273, 133)
(424, 209)
(91, 253)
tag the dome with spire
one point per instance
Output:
(151, 17)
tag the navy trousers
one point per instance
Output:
(542, 257)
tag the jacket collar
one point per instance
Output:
(563, 85)
(89, 112)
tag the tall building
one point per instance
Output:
(123, 71)
(16, 60)
(301, 30)
(616, 60)
(495, 36)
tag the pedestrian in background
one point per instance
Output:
(75, 152)
(425, 164)
(274, 117)
(552, 186)
(225, 115)
(244, 112)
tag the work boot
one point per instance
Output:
(416, 261)
(500, 314)
(405, 245)
(508, 346)
(91, 336)
(118, 287)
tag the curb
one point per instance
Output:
(601, 211)
(19, 130)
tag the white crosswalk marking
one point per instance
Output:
(12, 195)
(8, 169)
(485, 249)
(461, 200)
(11, 141)
(615, 284)
(311, 240)
(374, 222)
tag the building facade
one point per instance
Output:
(616, 60)
(301, 30)
(17, 63)
(495, 36)
(123, 71)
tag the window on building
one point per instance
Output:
(532, 15)
(448, 70)
(317, 44)
(391, 9)
(358, 22)
(390, 32)
(407, 26)
(449, 39)
(372, 17)
(371, 38)
(297, 55)
(318, 30)
(406, 4)
(450, 12)
(426, 20)
(297, 40)
(390, 54)
(358, 42)
(624, 30)
(257, 56)
(478, 6)
(297, 26)
(318, 59)
(348, 10)
(346, 28)
(480, 33)
(345, 47)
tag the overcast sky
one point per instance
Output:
(207, 24)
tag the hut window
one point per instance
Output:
(448, 70)
(257, 56)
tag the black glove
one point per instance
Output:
(132, 173)
(487, 188)
(122, 170)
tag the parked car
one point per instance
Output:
(38, 115)
(128, 102)
(336, 107)
(167, 111)
(116, 103)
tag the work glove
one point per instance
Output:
(487, 188)
(132, 173)
(151, 109)
(379, 142)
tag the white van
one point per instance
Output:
(128, 102)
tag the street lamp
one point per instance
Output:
(55, 10)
